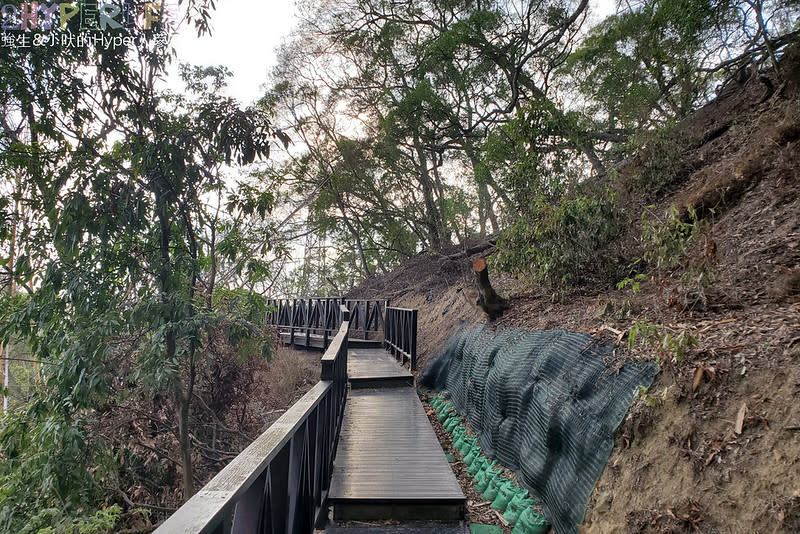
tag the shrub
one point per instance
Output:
(667, 242)
(560, 243)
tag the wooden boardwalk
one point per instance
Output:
(405, 528)
(375, 368)
(389, 464)
(316, 341)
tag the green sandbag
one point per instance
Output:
(492, 489)
(481, 471)
(466, 445)
(485, 477)
(451, 424)
(473, 453)
(504, 495)
(476, 465)
(482, 480)
(445, 413)
(531, 523)
(459, 434)
(476, 528)
(518, 503)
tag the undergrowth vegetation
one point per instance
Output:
(671, 345)
(560, 243)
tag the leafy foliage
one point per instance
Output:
(668, 241)
(112, 260)
(670, 345)
(561, 242)
(53, 521)
(656, 60)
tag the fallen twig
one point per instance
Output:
(501, 518)
(712, 325)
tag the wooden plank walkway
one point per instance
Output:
(375, 368)
(316, 341)
(406, 528)
(389, 464)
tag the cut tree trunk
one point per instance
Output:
(488, 299)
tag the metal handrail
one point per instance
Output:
(400, 335)
(280, 482)
(320, 316)
(366, 316)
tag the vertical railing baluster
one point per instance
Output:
(279, 487)
(368, 307)
(248, 508)
(324, 321)
(293, 476)
(308, 324)
(292, 322)
(413, 348)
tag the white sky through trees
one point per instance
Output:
(245, 35)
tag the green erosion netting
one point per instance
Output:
(545, 404)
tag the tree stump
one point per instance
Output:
(488, 299)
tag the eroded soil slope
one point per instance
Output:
(714, 446)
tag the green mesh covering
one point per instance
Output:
(544, 403)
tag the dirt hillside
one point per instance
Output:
(714, 446)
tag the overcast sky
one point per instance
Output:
(245, 35)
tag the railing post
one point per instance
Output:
(383, 316)
(324, 321)
(292, 315)
(366, 319)
(308, 324)
(386, 338)
(413, 348)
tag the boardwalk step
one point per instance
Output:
(316, 341)
(389, 464)
(381, 382)
(403, 528)
(375, 368)
(363, 511)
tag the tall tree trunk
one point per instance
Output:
(356, 235)
(12, 288)
(183, 411)
(445, 230)
(483, 181)
(6, 376)
(432, 215)
(212, 275)
(181, 402)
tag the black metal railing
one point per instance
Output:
(366, 318)
(314, 317)
(400, 335)
(306, 317)
(279, 484)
